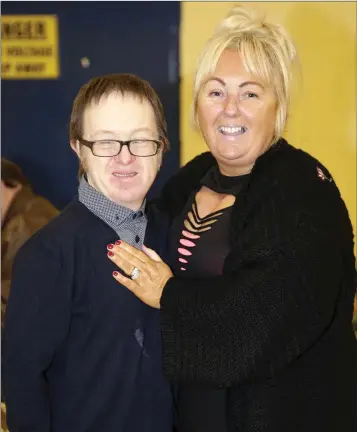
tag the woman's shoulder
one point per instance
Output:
(291, 190)
(295, 171)
(290, 186)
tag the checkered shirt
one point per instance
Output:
(129, 225)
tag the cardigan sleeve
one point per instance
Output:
(276, 297)
(36, 324)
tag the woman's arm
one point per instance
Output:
(276, 298)
(294, 262)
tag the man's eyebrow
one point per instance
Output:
(104, 132)
(142, 129)
(113, 133)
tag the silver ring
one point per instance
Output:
(135, 273)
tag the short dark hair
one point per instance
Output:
(11, 174)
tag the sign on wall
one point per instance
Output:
(29, 47)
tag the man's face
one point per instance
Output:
(124, 179)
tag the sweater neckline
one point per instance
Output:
(221, 183)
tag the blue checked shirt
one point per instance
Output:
(129, 225)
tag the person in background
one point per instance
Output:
(22, 214)
(88, 355)
(257, 309)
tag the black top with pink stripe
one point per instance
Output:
(198, 248)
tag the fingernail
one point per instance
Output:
(118, 242)
(110, 246)
(115, 273)
(110, 254)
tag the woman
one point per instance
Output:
(257, 311)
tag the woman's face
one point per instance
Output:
(236, 114)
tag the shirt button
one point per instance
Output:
(117, 217)
(134, 216)
(137, 239)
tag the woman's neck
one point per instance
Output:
(234, 171)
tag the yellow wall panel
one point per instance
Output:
(323, 115)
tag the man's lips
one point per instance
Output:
(119, 174)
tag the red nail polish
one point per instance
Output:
(115, 273)
(110, 254)
(118, 242)
(110, 246)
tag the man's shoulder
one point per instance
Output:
(61, 230)
(157, 228)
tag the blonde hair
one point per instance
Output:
(267, 53)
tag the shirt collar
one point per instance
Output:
(112, 213)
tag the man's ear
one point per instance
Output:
(161, 156)
(75, 146)
(162, 153)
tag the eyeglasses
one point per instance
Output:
(110, 148)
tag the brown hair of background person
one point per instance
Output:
(22, 214)
(96, 88)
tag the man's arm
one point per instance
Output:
(36, 324)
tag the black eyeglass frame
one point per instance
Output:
(90, 145)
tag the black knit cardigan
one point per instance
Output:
(275, 328)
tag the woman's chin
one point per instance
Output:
(230, 154)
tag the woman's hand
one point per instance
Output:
(148, 281)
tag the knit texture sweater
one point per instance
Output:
(81, 352)
(275, 327)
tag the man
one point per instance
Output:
(81, 353)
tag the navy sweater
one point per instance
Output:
(81, 352)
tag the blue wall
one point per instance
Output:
(134, 37)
